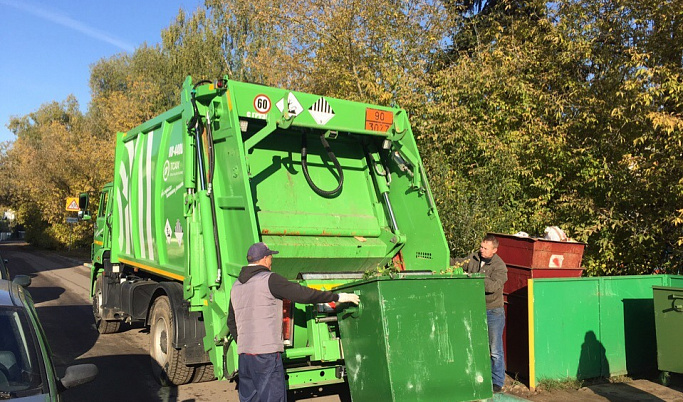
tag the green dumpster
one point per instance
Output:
(417, 338)
(668, 302)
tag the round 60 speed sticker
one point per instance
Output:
(262, 103)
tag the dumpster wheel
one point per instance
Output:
(665, 378)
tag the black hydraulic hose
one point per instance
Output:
(212, 163)
(304, 167)
(195, 124)
(202, 82)
(211, 151)
(195, 116)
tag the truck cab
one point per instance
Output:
(102, 226)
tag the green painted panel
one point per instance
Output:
(675, 281)
(591, 327)
(668, 308)
(417, 339)
(567, 329)
(325, 254)
(277, 176)
(149, 196)
(627, 323)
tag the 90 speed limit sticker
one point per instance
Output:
(262, 104)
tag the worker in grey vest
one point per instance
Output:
(255, 322)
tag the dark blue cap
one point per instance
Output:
(258, 251)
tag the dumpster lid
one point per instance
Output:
(410, 275)
(310, 276)
(535, 239)
(668, 288)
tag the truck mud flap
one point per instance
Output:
(189, 326)
(135, 297)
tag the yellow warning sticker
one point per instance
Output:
(72, 204)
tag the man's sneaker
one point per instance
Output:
(497, 389)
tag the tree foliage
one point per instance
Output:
(51, 159)
(583, 107)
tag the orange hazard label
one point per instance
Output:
(378, 120)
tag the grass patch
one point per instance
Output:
(620, 379)
(560, 385)
(516, 381)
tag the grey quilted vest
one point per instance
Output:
(258, 315)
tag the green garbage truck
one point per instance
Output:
(337, 187)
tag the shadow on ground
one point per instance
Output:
(131, 372)
(341, 390)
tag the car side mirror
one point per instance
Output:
(83, 201)
(22, 280)
(78, 375)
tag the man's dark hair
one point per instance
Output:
(492, 239)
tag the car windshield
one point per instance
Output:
(20, 374)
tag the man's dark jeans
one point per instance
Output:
(262, 378)
(496, 320)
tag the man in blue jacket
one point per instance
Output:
(255, 322)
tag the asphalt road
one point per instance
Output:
(60, 288)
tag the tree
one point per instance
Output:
(627, 179)
(48, 162)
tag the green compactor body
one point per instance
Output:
(339, 189)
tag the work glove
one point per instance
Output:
(348, 298)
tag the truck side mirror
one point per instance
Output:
(83, 201)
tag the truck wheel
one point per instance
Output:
(168, 364)
(103, 326)
(203, 373)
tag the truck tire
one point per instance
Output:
(203, 373)
(168, 364)
(103, 326)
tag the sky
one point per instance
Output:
(48, 47)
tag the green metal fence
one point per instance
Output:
(676, 281)
(590, 327)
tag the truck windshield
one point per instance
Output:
(20, 374)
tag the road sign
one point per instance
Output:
(72, 204)
(71, 220)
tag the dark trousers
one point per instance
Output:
(262, 378)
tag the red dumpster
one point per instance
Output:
(529, 252)
(527, 258)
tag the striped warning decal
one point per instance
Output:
(321, 111)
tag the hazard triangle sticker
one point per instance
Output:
(293, 105)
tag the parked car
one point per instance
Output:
(27, 372)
